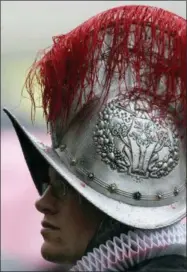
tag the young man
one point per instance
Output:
(113, 185)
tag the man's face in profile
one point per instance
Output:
(67, 226)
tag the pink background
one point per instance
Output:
(20, 222)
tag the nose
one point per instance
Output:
(47, 203)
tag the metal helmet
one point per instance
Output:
(114, 96)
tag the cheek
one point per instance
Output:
(71, 219)
(70, 231)
(73, 226)
(76, 228)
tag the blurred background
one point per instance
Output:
(27, 27)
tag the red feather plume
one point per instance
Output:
(67, 73)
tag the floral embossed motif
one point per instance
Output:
(129, 141)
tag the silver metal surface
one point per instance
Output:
(130, 142)
(132, 215)
(125, 149)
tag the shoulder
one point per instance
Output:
(174, 263)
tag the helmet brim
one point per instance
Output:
(38, 158)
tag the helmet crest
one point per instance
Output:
(148, 43)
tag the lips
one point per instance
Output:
(47, 225)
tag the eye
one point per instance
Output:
(59, 188)
(44, 187)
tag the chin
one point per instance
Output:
(53, 253)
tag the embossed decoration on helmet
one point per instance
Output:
(130, 140)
